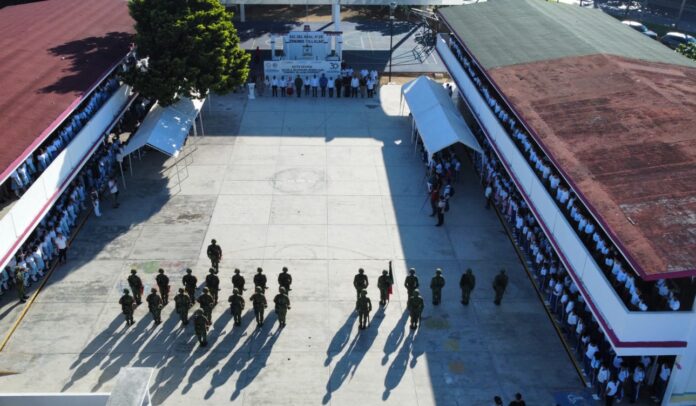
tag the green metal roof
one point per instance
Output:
(510, 32)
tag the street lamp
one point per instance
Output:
(392, 7)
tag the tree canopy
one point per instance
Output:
(191, 47)
(688, 50)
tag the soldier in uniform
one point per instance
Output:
(200, 324)
(127, 303)
(215, 254)
(136, 286)
(411, 282)
(282, 305)
(182, 304)
(436, 285)
(258, 300)
(238, 281)
(467, 284)
(364, 306)
(260, 279)
(154, 304)
(360, 282)
(285, 280)
(163, 285)
(415, 308)
(383, 284)
(499, 284)
(236, 306)
(19, 284)
(212, 282)
(190, 283)
(207, 303)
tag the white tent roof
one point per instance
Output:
(438, 121)
(166, 128)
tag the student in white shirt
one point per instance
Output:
(661, 382)
(62, 245)
(331, 85)
(612, 388)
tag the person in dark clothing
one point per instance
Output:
(298, 85)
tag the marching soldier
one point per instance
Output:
(19, 284)
(190, 283)
(200, 324)
(436, 285)
(467, 284)
(238, 281)
(260, 279)
(163, 285)
(383, 284)
(136, 286)
(499, 284)
(212, 282)
(215, 254)
(285, 280)
(182, 304)
(411, 282)
(364, 306)
(207, 302)
(154, 304)
(415, 308)
(127, 304)
(360, 282)
(236, 306)
(282, 305)
(259, 303)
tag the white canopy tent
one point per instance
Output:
(435, 117)
(165, 128)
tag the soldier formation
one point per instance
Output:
(208, 299)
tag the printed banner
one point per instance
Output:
(303, 68)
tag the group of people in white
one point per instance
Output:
(348, 83)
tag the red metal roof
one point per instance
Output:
(623, 133)
(52, 52)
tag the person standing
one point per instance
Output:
(298, 85)
(127, 304)
(383, 284)
(323, 82)
(136, 285)
(637, 380)
(258, 301)
(370, 88)
(518, 401)
(354, 85)
(94, 198)
(434, 197)
(214, 253)
(163, 285)
(338, 83)
(182, 304)
(206, 301)
(190, 283)
(315, 86)
(212, 282)
(331, 85)
(154, 304)
(19, 284)
(411, 283)
(362, 82)
(415, 308)
(360, 282)
(611, 390)
(282, 85)
(307, 85)
(499, 284)
(62, 245)
(260, 279)
(467, 284)
(441, 208)
(236, 306)
(436, 285)
(201, 325)
(364, 306)
(274, 87)
(285, 280)
(282, 305)
(113, 189)
(238, 281)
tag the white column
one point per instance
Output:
(273, 47)
(242, 15)
(339, 46)
(336, 13)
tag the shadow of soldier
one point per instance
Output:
(157, 350)
(258, 359)
(351, 359)
(340, 339)
(395, 338)
(124, 352)
(397, 369)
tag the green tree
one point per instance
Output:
(688, 50)
(191, 47)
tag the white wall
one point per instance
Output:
(26, 213)
(628, 326)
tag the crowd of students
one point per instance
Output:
(637, 294)
(48, 243)
(348, 83)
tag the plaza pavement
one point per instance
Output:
(323, 186)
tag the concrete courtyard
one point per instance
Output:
(322, 186)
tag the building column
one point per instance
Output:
(242, 15)
(273, 47)
(336, 13)
(339, 46)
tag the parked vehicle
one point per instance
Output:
(674, 39)
(640, 28)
